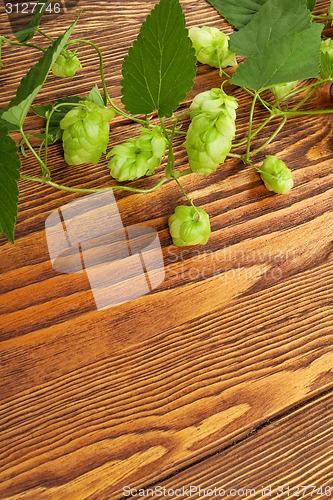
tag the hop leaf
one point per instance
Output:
(282, 44)
(67, 64)
(137, 157)
(86, 133)
(9, 175)
(160, 67)
(212, 47)
(276, 175)
(189, 226)
(212, 129)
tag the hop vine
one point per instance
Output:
(290, 59)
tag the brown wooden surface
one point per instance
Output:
(221, 376)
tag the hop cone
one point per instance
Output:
(276, 175)
(189, 226)
(86, 133)
(281, 90)
(326, 58)
(212, 47)
(67, 64)
(137, 157)
(212, 129)
(214, 101)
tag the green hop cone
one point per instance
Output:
(188, 226)
(276, 175)
(67, 64)
(211, 132)
(212, 47)
(214, 101)
(137, 157)
(86, 133)
(326, 59)
(281, 90)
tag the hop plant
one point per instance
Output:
(212, 129)
(137, 157)
(212, 47)
(189, 225)
(67, 64)
(86, 133)
(276, 175)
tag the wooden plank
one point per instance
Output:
(288, 458)
(163, 402)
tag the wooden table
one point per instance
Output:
(220, 377)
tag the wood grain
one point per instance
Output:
(289, 458)
(238, 333)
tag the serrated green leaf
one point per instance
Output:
(311, 4)
(32, 82)
(55, 132)
(274, 20)
(160, 67)
(291, 58)
(237, 12)
(9, 175)
(9, 126)
(28, 31)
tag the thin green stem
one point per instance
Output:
(171, 159)
(255, 132)
(263, 102)
(271, 138)
(165, 132)
(179, 117)
(93, 190)
(107, 97)
(126, 115)
(305, 98)
(309, 112)
(302, 89)
(45, 35)
(45, 170)
(21, 44)
(178, 132)
(224, 73)
(249, 134)
(101, 67)
(232, 155)
(187, 196)
(188, 199)
(323, 18)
